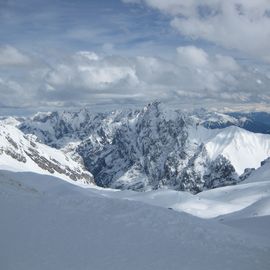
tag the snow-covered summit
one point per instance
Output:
(10, 120)
(242, 148)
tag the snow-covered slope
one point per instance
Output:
(20, 152)
(12, 121)
(252, 198)
(242, 148)
(249, 199)
(154, 147)
(50, 224)
(261, 174)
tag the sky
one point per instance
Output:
(63, 54)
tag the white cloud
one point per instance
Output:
(89, 71)
(240, 24)
(106, 75)
(91, 56)
(193, 75)
(192, 56)
(226, 63)
(10, 56)
(12, 93)
(208, 73)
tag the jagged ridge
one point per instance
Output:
(149, 148)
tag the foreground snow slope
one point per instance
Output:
(253, 198)
(20, 152)
(50, 224)
(248, 199)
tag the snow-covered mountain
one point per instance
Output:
(258, 122)
(154, 147)
(20, 152)
(242, 148)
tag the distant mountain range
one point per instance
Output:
(153, 147)
(258, 122)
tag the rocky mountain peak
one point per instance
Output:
(153, 147)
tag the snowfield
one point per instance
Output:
(48, 223)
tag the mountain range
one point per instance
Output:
(142, 149)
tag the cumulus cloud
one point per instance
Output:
(192, 56)
(207, 75)
(86, 70)
(240, 24)
(86, 55)
(13, 94)
(10, 56)
(193, 75)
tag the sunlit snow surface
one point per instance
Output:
(244, 149)
(47, 223)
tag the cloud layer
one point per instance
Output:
(234, 24)
(59, 53)
(192, 76)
